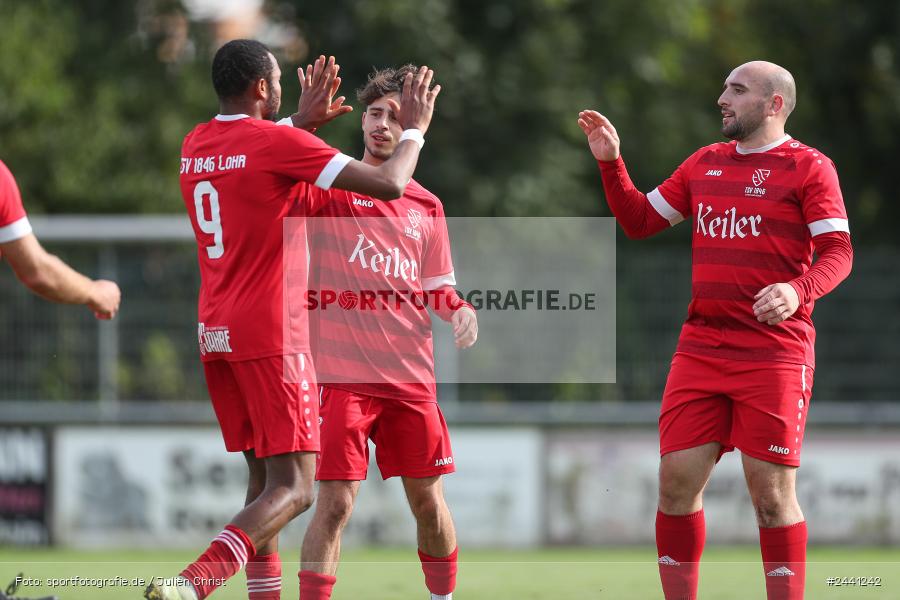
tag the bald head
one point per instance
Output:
(771, 79)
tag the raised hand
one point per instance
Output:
(601, 135)
(417, 100)
(318, 85)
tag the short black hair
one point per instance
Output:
(237, 65)
(382, 82)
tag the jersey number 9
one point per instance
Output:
(213, 225)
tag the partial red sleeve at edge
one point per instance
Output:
(630, 206)
(835, 259)
(445, 301)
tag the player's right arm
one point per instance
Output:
(388, 180)
(640, 215)
(50, 278)
(41, 272)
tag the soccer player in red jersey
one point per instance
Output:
(384, 262)
(742, 374)
(41, 272)
(236, 174)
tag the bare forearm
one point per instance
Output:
(388, 180)
(54, 280)
(399, 169)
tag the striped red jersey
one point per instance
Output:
(383, 262)
(755, 214)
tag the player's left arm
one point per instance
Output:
(438, 281)
(826, 217)
(319, 82)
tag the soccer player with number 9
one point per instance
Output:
(236, 174)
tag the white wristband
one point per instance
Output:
(414, 135)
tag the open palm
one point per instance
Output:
(601, 135)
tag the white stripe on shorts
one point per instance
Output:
(803, 377)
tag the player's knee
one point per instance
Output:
(303, 498)
(772, 509)
(296, 498)
(426, 507)
(336, 512)
(676, 498)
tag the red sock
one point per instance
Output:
(264, 577)
(784, 560)
(679, 541)
(440, 573)
(226, 555)
(316, 586)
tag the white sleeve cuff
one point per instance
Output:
(332, 170)
(15, 230)
(828, 225)
(285, 122)
(665, 210)
(433, 283)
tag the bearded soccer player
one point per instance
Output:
(742, 374)
(388, 261)
(236, 174)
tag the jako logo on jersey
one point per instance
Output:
(362, 202)
(731, 226)
(213, 339)
(714, 172)
(443, 461)
(415, 219)
(778, 449)
(389, 263)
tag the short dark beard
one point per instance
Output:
(743, 127)
(379, 154)
(270, 112)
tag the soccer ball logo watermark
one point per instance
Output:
(348, 300)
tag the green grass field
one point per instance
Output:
(551, 574)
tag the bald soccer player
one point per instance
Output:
(742, 373)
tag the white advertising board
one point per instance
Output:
(177, 487)
(602, 489)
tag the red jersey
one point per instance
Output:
(754, 216)
(376, 339)
(13, 222)
(236, 176)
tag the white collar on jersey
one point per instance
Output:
(765, 148)
(231, 117)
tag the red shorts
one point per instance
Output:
(268, 404)
(411, 438)
(757, 407)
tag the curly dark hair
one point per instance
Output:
(237, 65)
(382, 82)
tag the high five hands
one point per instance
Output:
(319, 82)
(417, 100)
